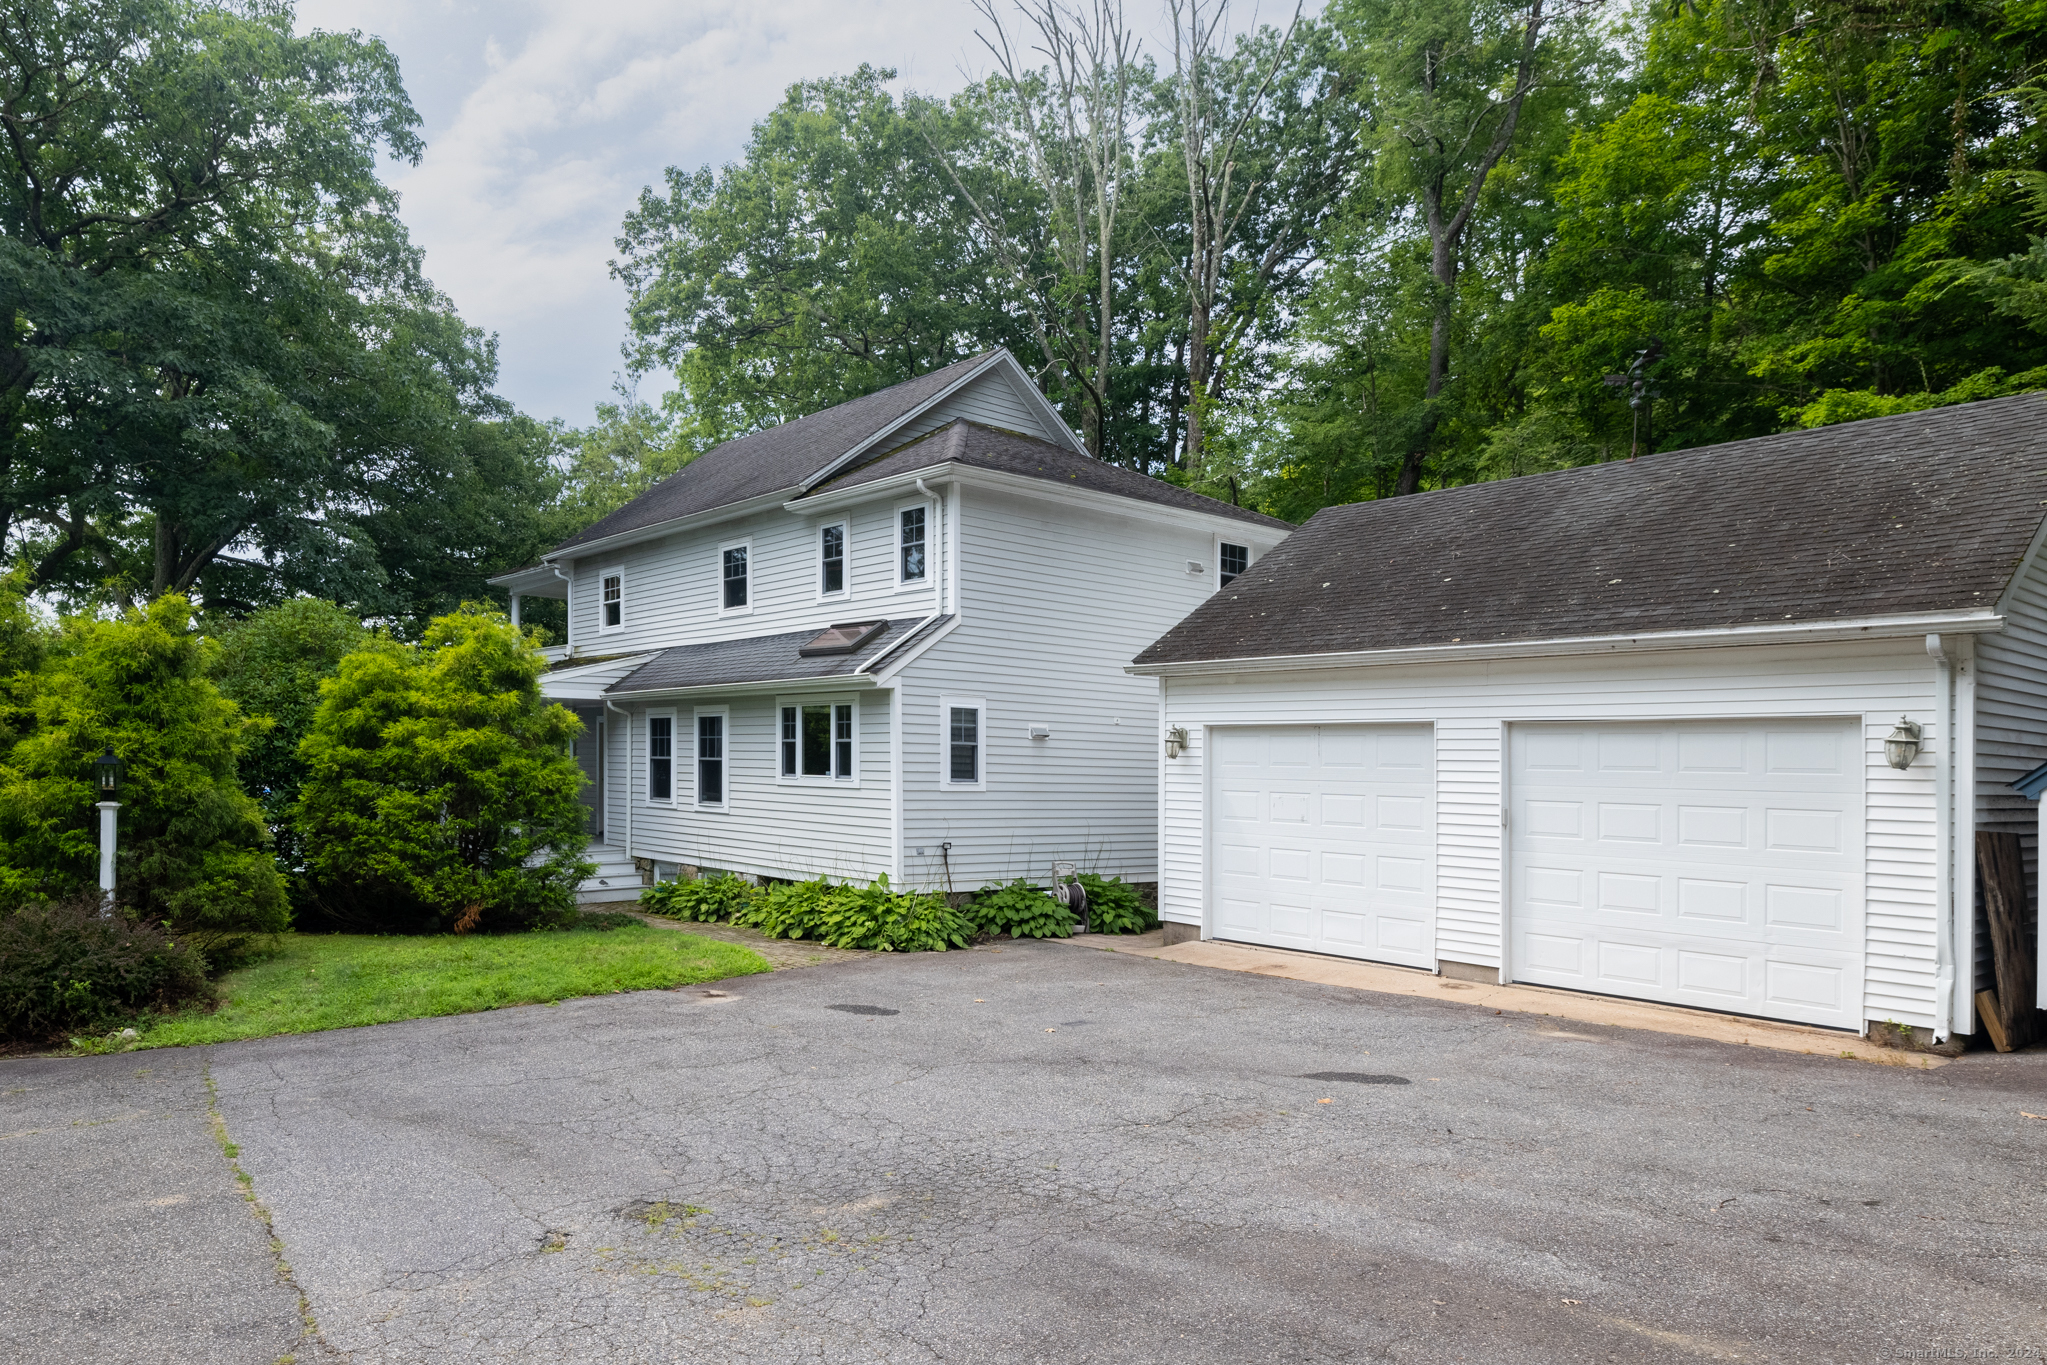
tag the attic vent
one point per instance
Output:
(841, 639)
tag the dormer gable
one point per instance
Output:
(788, 460)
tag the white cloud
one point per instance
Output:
(544, 120)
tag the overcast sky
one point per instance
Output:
(544, 118)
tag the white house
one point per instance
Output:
(1623, 728)
(886, 638)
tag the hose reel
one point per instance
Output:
(1067, 890)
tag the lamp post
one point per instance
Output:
(107, 768)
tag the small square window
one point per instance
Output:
(831, 560)
(735, 578)
(1235, 559)
(912, 564)
(612, 599)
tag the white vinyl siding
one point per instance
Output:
(989, 400)
(675, 582)
(2011, 731)
(1468, 889)
(1056, 600)
(770, 827)
(1470, 704)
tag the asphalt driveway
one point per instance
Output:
(1040, 1153)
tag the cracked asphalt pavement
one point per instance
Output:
(1037, 1153)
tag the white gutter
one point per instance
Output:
(838, 682)
(711, 516)
(866, 670)
(1806, 632)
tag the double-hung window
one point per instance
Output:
(733, 580)
(711, 758)
(1234, 559)
(963, 735)
(817, 740)
(910, 559)
(660, 758)
(611, 600)
(831, 560)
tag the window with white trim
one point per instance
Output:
(1233, 560)
(661, 757)
(831, 560)
(611, 600)
(911, 524)
(815, 740)
(734, 588)
(711, 726)
(963, 734)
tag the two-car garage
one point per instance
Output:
(1707, 863)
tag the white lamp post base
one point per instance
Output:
(106, 810)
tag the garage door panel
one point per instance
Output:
(1329, 833)
(1704, 863)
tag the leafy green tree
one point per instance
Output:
(193, 850)
(440, 793)
(222, 371)
(826, 264)
(271, 665)
(632, 446)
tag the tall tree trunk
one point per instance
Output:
(1446, 235)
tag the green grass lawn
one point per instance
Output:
(323, 981)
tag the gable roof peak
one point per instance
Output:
(793, 456)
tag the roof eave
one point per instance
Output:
(1795, 632)
(838, 682)
(710, 516)
(973, 476)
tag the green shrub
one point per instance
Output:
(439, 790)
(788, 909)
(271, 665)
(873, 918)
(64, 969)
(1020, 911)
(1114, 907)
(699, 900)
(876, 919)
(194, 851)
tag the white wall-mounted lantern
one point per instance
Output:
(1903, 744)
(1176, 740)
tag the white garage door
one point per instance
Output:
(1323, 839)
(1702, 863)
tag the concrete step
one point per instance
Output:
(616, 878)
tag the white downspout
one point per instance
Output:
(1955, 836)
(628, 751)
(568, 610)
(1963, 652)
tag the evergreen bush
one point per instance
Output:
(439, 791)
(194, 851)
(65, 969)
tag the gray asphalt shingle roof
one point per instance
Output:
(1923, 512)
(778, 459)
(983, 447)
(762, 658)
